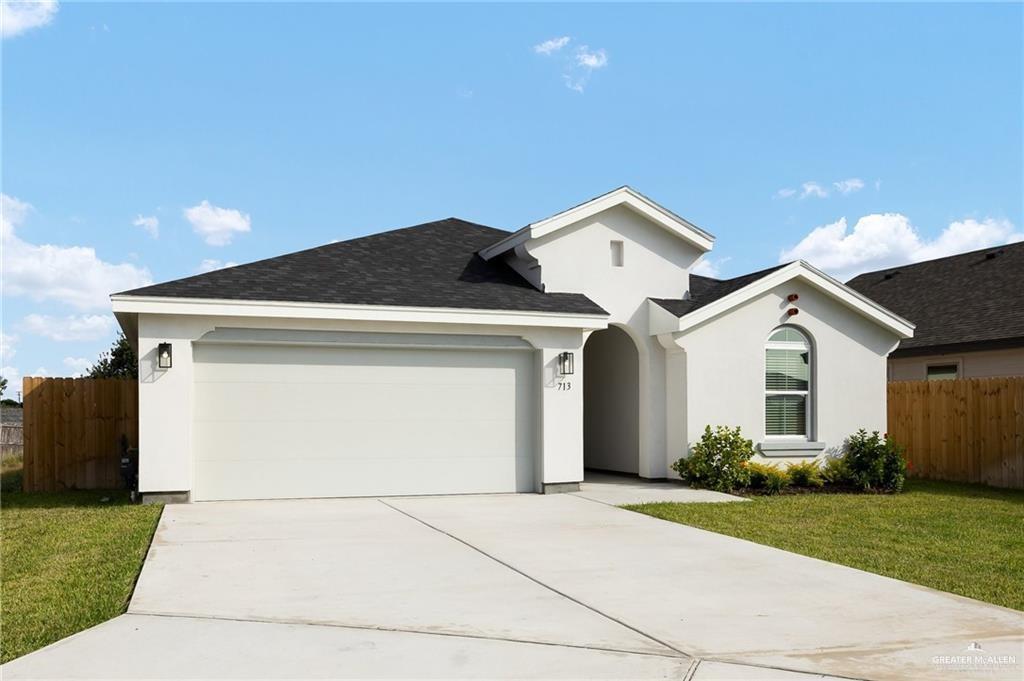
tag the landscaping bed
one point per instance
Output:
(960, 538)
(70, 561)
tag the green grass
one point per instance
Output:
(965, 539)
(69, 561)
(10, 472)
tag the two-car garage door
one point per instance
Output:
(283, 421)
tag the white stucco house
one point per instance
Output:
(451, 357)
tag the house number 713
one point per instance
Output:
(564, 385)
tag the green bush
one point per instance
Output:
(717, 460)
(875, 463)
(834, 471)
(767, 477)
(806, 474)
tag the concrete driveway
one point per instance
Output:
(522, 586)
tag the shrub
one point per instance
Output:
(806, 474)
(767, 477)
(717, 460)
(874, 462)
(834, 471)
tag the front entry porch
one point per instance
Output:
(616, 490)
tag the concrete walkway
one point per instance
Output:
(508, 586)
(620, 490)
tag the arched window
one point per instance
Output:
(787, 384)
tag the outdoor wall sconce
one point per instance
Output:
(792, 312)
(565, 363)
(163, 355)
(792, 297)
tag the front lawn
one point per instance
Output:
(965, 539)
(69, 561)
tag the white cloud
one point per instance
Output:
(18, 16)
(13, 376)
(41, 371)
(591, 60)
(583, 64)
(812, 189)
(552, 45)
(7, 342)
(79, 365)
(707, 267)
(217, 226)
(577, 66)
(854, 184)
(211, 264)
(73, 275)
(71, 328)
(150, 223)
(884, 240)
(785, 193)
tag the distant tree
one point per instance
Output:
(3, 385)
(118, 362)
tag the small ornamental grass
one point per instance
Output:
(767, 478)
(806, 474)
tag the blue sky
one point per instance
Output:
(855, 136)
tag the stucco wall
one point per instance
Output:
(720, 366)
(656, 264)
(981, 364)
(166, 396)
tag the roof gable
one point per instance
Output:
(715, 297)
(971, 298)
(430, 265)
(623, 196)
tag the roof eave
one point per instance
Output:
(132, 304)
(854, 300)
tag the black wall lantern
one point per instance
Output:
(163, 355)
(565, 363)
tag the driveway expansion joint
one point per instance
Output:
(533, 579)
(400, 630)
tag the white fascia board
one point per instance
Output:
(623, 196)
(802, 270)
(378, 313)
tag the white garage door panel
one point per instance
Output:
(274, 421)
(355, 401)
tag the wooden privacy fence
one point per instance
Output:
(73, 429)
(966, 430)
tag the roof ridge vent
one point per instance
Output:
(992, 254)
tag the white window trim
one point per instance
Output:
(808, 411)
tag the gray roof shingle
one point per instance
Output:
(430, 265)
(972, 300)
(704, 290)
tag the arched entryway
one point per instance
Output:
(611, 402)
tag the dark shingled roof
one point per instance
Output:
(704, 290)
(969, 301)
(430, 265)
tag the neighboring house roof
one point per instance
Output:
(623, 196)
(704, 290)
(430, 265)
(969, 301)
(712, 297)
